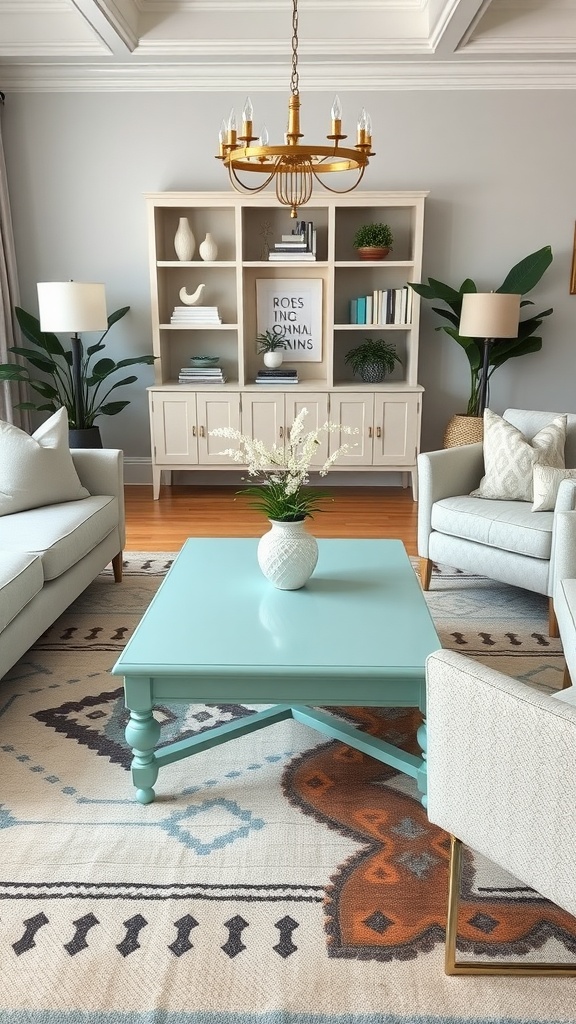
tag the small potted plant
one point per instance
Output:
(271, 345)
(373, 359)
(373, 241)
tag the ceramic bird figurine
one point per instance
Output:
(191, 300)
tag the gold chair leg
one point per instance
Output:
(117, 567)
(425, 572)
(552, 620)
(566, 681)
(454, 966)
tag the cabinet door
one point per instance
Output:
(353, 410)
(263, 417)
(174, 428)
(396, 429)
(212, 411)
(317, 406)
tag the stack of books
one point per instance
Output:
(298, 246)
(383, 306)
(204, 375)
(279, 376)
(186, 315)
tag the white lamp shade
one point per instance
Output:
(72, 306)
(489, 315)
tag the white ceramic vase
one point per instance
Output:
(184, 241)
(273, 359)
(208, 249)
(287, 555)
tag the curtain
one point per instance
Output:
(9, 298)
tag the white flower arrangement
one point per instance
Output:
(283, 493)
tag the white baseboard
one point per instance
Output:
(139, 471)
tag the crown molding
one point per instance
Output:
(321, 77)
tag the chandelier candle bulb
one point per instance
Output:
(336, 114)
(247, 115)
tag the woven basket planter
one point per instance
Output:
(463, 430)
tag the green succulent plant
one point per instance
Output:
(379, 235)
(55, 386)
(521, 279)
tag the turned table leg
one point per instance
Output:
(142, 735)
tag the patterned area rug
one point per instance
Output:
(277, 879)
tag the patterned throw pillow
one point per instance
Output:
(546, 482)
(37, 470)
(509, 457)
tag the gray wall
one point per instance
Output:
(499, 167)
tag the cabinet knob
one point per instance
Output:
(201, 432)
(369, 431)
(281, 432)
(193, 431)
(378, 432)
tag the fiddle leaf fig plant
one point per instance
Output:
(55, 386)
(522, 278)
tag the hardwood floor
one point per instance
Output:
(189, 511)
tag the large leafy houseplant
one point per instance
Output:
(54, 362)
(521, 279)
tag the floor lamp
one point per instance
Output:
(72, 306)
(488, 315)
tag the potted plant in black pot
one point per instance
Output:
(373, 241)
(373, 359)
(55, 382)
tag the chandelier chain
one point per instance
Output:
(294, 76)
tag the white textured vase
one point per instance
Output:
(208, 249)
(287, 555)
(184, 241)
(273, 359)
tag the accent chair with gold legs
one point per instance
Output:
(502, 780)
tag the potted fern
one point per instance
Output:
(373, 359)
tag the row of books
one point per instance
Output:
(279, 376)
(204, 375)
(195, 315)
(384, 306)
(299, 245)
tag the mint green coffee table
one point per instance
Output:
(217, 631)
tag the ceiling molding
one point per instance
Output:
(221, 45)
(212, 77)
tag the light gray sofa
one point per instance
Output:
(49, 555)
(503, 540)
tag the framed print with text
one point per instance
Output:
(292, 308)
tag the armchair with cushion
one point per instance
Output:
(501, 780)
(505, 540)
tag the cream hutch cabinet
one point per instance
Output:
(245, 229)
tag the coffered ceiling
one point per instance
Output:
(219, 45)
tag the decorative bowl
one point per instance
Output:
(204, 360)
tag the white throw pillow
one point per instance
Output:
(509, 457)
(37, 470)
(546, 481)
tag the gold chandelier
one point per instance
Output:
(294, 167)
